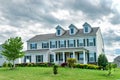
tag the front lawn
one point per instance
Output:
(42, 73)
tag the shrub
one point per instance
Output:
(5, 64)
(102, 61)
(34, 64)
(55, 69)
(9, 64)
(63, 64)
(71, 62)
(109, 67)
(86, 66)
(114, 66)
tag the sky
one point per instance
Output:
(27, 18)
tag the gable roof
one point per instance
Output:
(44, 37)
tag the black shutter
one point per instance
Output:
(42, 57)
(95, 56)
(50, 44)
(84, 42)
(68, 43)
(78, 55)
(59, 44)
(77, 43)
(87, 42)
(42, 45)
(56, 44)
(35, 45)
(56, 57)
(30, 59)
(94, 40)
(88, 57)
(59, 57)
(64, 43)
(74, 43)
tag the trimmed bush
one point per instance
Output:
(86, 66)
(71, 62)
(55, 69)
(35, 65)
(5, 64)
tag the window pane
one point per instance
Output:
(39, 58)
(62, 43)
(33, 46)
(71, 43)
(72, 31)
(86, 29)
(91, 57)
(58, 32)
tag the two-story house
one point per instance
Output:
(83, 44)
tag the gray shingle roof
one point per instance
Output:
(43, 37)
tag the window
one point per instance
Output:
(80, 42)
(91, 57)
(61, 57)
(39, 58)
(51, 58)
(86, 29)
(58, 32)
(81, 56)
(72, 31)
(71, 43)
(53, 44)
(45, 45)
(62, 43)
(91, 42)
(71, 55)
(27, 59)
(33, 46)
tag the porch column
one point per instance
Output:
(84, 62)
(73, 54)
(54, 57)
(63, 56)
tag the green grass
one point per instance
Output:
(41, 73)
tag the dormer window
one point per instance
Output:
(86, 29)
(58, 32)
(72, 31)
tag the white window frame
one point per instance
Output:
(71, 42)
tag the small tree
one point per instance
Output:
(71, 62)
(55, 69)
(102, 61)
(109, 67)
(114, 66)
(12, 49)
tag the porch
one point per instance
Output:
(61, 55)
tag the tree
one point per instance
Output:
(109, 67)
(102, 61)
(12, 49)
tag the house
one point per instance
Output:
(2, 59)
(117, 61)
(83, 44)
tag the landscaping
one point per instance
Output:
(46, 73)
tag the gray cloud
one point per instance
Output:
(111, 37)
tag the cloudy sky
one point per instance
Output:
(27, 18)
